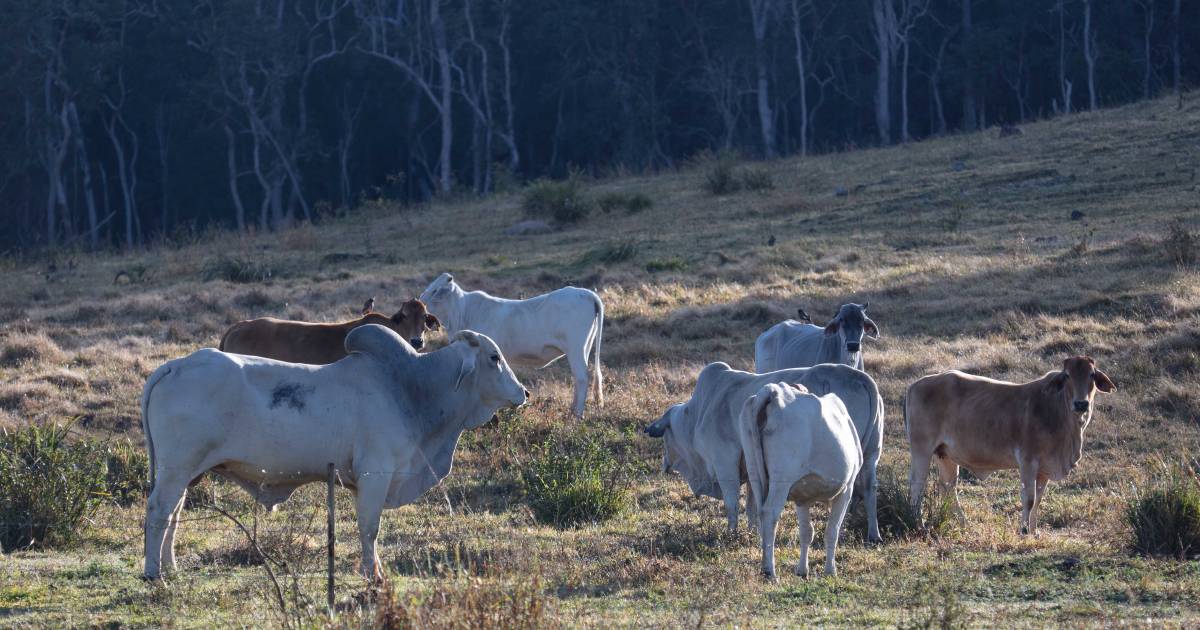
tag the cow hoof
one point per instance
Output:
(1024, 531)
(875, 540)
(769, 577)
(801, 573)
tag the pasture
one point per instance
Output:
(964, 246)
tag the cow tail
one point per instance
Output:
(146, 391)
(224, 337)
(598, 327)
(752, 452)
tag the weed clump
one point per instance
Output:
(666, 264)
(757, 179)
(235, 269)
(24, 348)
(48, 486)
(568, 483)
(1165, 516)
(127, 473)
(1181, 244)
(896, 519)
(464, 601)
(633, 203)
(561, 200)
(721, 176)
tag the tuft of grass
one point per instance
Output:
(1165, 516)
(721, 176)
(127, 473)
(757, 179)
(466, 601)
(673, 263)
(26, 348)
(568, 483)
(896, 519)
(235, 269)
(48, 486)
(1181, 244)
(633, 203)
(611, 253)
(561, 200)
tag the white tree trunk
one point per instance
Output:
(760, 12)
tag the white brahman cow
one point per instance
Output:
(534, 332)
(386, 417)
(792, 344)
(805, 449)
(700, 436)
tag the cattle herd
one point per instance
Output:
(282, 400)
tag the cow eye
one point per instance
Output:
(496, 359)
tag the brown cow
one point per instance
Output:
(985, 425)
(319, 344)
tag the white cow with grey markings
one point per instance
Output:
(386, 417)
(534, 332)
(701, 437)
(792, 344)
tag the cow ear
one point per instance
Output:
(468, 366)
(1058, 381)
(1103, 383)
(832, 327)
(398, 317)
(431, 322)
(871, 329)
(658, 428)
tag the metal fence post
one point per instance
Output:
(331, 537)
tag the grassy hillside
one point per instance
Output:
(964, 247)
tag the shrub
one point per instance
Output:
(561, 200)
(721, 177)
(611, 253)
(1165, 516)
(48, 486)
(1181, 244)
(673, 263)
(23, 348)
(572, 482)
(895, 516)
(757, 179)
(127, 473)
(631, 202)
(234, 269)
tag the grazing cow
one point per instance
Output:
(319, 344)
(700, 436)
(791, 344)
(386, 417)
(534, 332)
(985, 425)
(802, 448)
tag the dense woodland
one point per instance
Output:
(127, 121)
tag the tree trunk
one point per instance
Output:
(970, 117)
(759, 12)
(1063, 82)
(231, 157)
(1176, 57)
(884, 27)
(798, 35)
(88, 195)
(1089, 53)
(161, 132)
(1147, 30)
(904, 137)
(444, 77)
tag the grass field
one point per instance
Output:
(964, 247)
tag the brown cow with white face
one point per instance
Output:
(320, 344)
(985, 425)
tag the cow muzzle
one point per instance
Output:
(852, 346)
(1081, 406)
(417, 343)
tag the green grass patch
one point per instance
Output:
(577, 481)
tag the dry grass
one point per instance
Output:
(976, 269)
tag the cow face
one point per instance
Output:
(661, 428)
(850, 325)
(484, 367)
(412, 321)
(436, 294)
(1082, 380)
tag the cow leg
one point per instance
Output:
(948, 475)
(1039, 494)
(168, 546)
(1028, 492)
(166, 496)
(804, 519)
(730, 489)
(769, 519)
(917, 474)
(368, 506)
(579, 370)
(868, 484)
(833, 528)
(752, 508)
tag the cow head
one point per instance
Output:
(850, 324)
(413, 320)
(673, 458)
(439, 291)
(1080, 380)
(485, 371)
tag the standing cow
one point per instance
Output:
(791, 344)
(386, 417)
(804, 449)
(987, 425)
(700, 436)
(534, 332)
